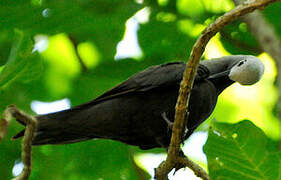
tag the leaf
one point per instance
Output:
(163, 40)
(5, 45)
(237, 39)
(102, 22)
(105, 76)
(22, 63)
(95, 159)
(240, 151)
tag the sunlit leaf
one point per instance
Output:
(153, 41)
(241, 151)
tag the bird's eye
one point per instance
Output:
(240, 63)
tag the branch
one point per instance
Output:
(188, 79)
(75, 44)
(200, 172)
(31, 125)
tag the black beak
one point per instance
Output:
(220, 74)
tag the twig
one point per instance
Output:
(188, 78)
(200, 172)
(31, 125)
(268, 40)
(75, 44)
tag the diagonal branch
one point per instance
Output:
(186, 162)
(31, 125)
(188, 79)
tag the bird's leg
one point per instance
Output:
(166, 119)
(170, 124)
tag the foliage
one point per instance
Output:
(86, 33)
(241, 151)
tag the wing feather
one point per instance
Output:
(158, 76)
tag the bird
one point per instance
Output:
(140, 110)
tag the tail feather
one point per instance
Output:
(53, 129)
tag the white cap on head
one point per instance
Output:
(247, 71)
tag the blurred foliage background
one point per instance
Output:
(77, 49)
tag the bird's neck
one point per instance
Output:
(221, 83)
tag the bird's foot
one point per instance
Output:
(166, 119)
(170, 125)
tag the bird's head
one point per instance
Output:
(247, 71)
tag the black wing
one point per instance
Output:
(158, 76)
(154, 77)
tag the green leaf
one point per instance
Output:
(104, 76)
(22, 63)
(168, 44)
(5, 45)
(237, 39)
(101, 22)
(95, 159)
(240, 151)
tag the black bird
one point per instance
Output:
(139, 110)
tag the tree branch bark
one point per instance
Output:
(31, 125)
(188, 79)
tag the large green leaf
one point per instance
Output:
(22, 62)
(241, 151)
(86, 160)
